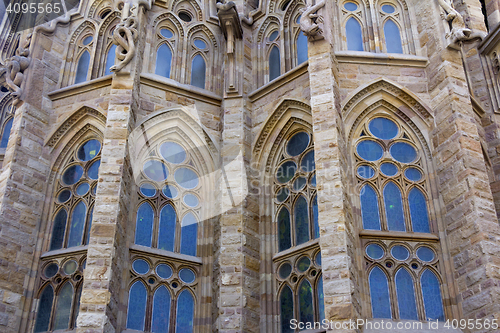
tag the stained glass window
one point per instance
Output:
(274, 63)
(431, 292)
(136, 312)
(379, 294)
(354, 35)
(63, 307)
(286, 307)
(394, 207)
(189, 234)
(284, 233)
(185, 313)
(163, 61)
(198, 69)
(301, 46)
(82, 67)
(110, 59)
(144, 225)
(44, 309)
(6, 133)
(392, 37)
(161, 311)
(418, 211)
(166, 233)
(406, 295)
(369, 208)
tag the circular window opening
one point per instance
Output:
(70, 267)
(389, 9)
(4, 89)
(51, 270)
(185, 16)
(350, 6)
(105, 13)
(87, 40)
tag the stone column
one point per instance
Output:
(107, 267)
(338, 237)
(470, 224)
(237, 253)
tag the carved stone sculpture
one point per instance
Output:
(14, 69)
(310, 21)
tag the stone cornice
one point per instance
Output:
(370, 58)
(138, 249)
(77, 89)
(399, 235)
(278, 82)
(490, 42)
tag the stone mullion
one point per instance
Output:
(337, 233)
(106, 273)
(470, 228)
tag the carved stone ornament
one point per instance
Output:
(310, 22)
(459, 31)
(14, 69)
(125, 34)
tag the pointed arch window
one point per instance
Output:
(82, 68)
(110, 59)
(167, 40)
(301, 46)
(392, 37)
(6, 121)
(354, 36)
(393, 24)
(198, 71)
(274, 63)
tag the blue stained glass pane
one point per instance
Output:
(93, 172)
(284, 233)
(286, 171)
(285, 270)
(394, 207)
(200, 44)
(173, 152)
(6, 133)
(140, 266)
(64, 196)
(299, 183)
(301, 216)
(82, 189)
(318, 258)
(161, 311)
(44, 309)
(274, 63)
(58, 230)
(350, 6)
(321, 299)
(425, 254)
(374, 251)
(110, 59)
(413, 174)
(170, 191)
(354, 35)
(87, 40)
(77, 225)
(379, 294)
(315, 216)
(308, 163)
(282, 194)
(286, 307)
(187, 275)
(166, 232)
(392, 37)
(366, 171)
(144, 225)
(306, 302)
(369, 208)
(136, 312)
(370, 150)
(185, 313)
(167, 33)
(89, 224)
(89, 150)
(164, 271)
(418, 211)
(388, 9)
(155, 170)
(406, 295)
(431, 293)
(400, 252)
(388, 169)
(198, 68)
(273, 36)
(403, 152)
(189, 234)
(163, 61)
(186, 178)
(51, 270)
(72, 174)
(301, 48)
(148, 190)
(297, 144)
(383, 128)
(191, 200)
(63, 308)
(82, 68)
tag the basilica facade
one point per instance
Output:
(251, 166)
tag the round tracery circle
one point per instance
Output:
(173, 152)
(87, 40)
(297, 144)
(400, 252)
(93, 172)
(164, 271)
(307, 164)
(155, 170)
(70, 267)
(185, 16)
(64, 196)
(389, 9)
(350, 6)
(88, 150)
(366, 171)
(140, 266)
(273, 36)
(191, 200)
(186, 178)
(299, 183)
(283, 194)
(369, 150)
(51, 270)
(383, 128)
(170, 191)
(403, 152)
(374, 251)
(167, 33)
(285, 270)
(413, 174)
(303, 264)
(388, 169)
(82, 189)
(148, 190)
(187, 275)
(200, 44)
(286, 171)
(72, 174)
(425, 253)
